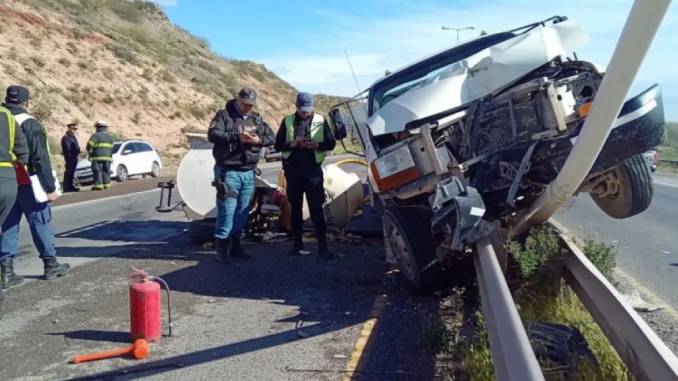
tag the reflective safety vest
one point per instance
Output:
(317, 134)
(9, 145)
(100, 147)
(21, 118)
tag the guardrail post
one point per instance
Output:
(512, 354)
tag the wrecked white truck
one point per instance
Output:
(469, 137)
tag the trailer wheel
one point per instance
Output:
(201, 231)
(634, 189)
(408, 234)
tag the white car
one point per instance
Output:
(130, 158)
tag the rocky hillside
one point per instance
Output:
(124, 62)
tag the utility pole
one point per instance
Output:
(443, 27)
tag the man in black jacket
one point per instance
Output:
(38, 214)
(70, 149)
(238, 135)
(303, 139)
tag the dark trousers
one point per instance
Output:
(8, 190)
(312, 187)
(102, 174)
(69, 174)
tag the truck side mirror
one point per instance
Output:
(338, 122)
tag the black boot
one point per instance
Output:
(9, 278)
(223, 256)
(236, 248)
(296, 247)
(323, 251)
(54, 269)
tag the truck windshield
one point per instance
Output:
(439, 65)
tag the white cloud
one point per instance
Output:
(384, 43)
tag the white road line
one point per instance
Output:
(105, 199)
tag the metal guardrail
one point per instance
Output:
(673, 162)
(644, 353)
(513, 356)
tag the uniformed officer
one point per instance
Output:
(100, 151)
(71, 150)
(303, 140)
(38, 214)
(239, 134)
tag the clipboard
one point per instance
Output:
(39, 194)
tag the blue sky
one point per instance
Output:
(304, 41)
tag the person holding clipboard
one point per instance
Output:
(37, 188)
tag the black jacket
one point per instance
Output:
(224, 129)
(20, 146)
(38, 154)
(301, 160)
(100, 145)
(70, 147)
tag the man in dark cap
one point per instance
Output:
(100, 151)
(38, 214)
(70, 149)
(303, 139)
(13, 152)
(238, 134)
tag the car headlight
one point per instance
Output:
(394, 169)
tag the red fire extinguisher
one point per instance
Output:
(145, 306)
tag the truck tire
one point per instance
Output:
(635, 190)
(408, 234)
(201, 231)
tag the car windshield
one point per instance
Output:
(116, 147)
(421, 73)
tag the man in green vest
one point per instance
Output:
(13, 147)
(303, 139)
(100, 151)
(38, 214)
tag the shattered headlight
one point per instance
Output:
(394, 169)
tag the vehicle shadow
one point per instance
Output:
(147, 231)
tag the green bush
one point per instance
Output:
(602, 256)
(541, 245)
(108, 99)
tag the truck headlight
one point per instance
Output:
(394, 169)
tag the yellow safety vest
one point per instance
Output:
(317, 134)
(11, 125)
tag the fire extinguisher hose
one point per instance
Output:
(169, 303)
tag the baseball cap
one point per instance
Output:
(248, 96)
(305, 102)
(17, 94)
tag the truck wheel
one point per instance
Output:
(408, 234)
(201, 231)
(634, 190)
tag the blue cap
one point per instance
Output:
(17, 94)
(305, 102)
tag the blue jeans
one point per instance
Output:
(234, 208)
(39, 216)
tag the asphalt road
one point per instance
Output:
(647, 244)
(88, 230)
